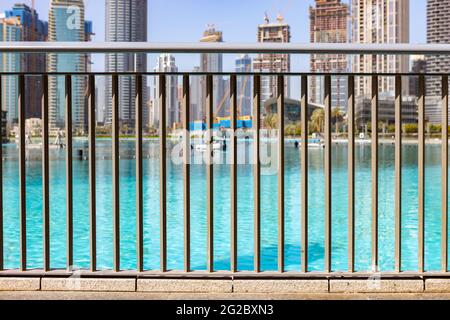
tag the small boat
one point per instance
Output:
(204, 147)
(316, 144)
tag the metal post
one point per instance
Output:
(22, 176)
(233, 173)
(163, 172)
(351, 173)
(1, 177)
(257, 171)
(139, 177)
(187, 173)
(328, 178)
(210, 173)
(444, 233)
(304, 171)
(281, 236)
(398, 173)
(116, 182)
(92, 178)
(45, 174)
(374, 173)
(421, 170)
(69, 171)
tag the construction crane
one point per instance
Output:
(227, 93)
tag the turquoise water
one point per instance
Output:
(222, 209)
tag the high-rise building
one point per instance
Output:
(438, 31)
(22, 23)
(329, 24)
(244, 85)
(273, 32)
(3, 125)
(126, 21)
(418, 65)
(196, 96)
(10, 30)
(66, 23)
(213, 62)
(380, 21)
(166, 64)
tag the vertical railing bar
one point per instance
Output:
(1, 176)
(281, 236)
(398, 173)
(69, 171)
(210, 173)
(187, 173)
(163, 173)
(22, 176)
(92, 177)
(375, 173)
(257, 171)
(328, 173)
(233, 173)
(116, 182)
(351, 174)
(421, 168)
(304, 172)
(139, 177)
(444, 233)
(45, 174)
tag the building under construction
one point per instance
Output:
(329, 24)
(213, 62)
(278, 32)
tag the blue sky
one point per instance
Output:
(185, 20)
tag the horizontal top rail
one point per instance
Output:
(199, 47)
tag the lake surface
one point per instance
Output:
(222, 209)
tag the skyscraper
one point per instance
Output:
(244, 85)
(10, 30)
(66, 23)
(438, 31)
(380, 21)
(126, 21)
(166, 64)
(213, 62)
(196, 96)
(418, 65)
(279, 32)
(329, 24)
(22, 23)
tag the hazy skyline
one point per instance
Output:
(185, 21)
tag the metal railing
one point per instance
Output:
(229, 48)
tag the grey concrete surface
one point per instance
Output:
(376, 286)
(172, 285)
(276, 286)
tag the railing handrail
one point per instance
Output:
(199, 47)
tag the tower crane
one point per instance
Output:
(227, 93)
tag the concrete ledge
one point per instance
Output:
(86, 284)
(197, 286)
(20, 284)
(437, 285)
(280, 286)
(376, 286)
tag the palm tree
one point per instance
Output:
(317, 120)
(338, 118)
(271, 121)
